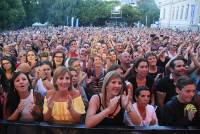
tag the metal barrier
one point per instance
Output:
(7, 127)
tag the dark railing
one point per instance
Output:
(48, 128)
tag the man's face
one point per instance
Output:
(179, 68)
(187, 93)
(125, 58)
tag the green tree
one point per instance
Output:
(149, 11)
(11, 14)
(130, 14)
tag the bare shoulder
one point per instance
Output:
(95, 99)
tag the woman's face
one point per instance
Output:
(31, 56)
(114, 86)
(58, 59)
(152, 60)
(6, 64)
(97, 61)
(74, 76)
(143, 98)
(77, 65)
(22, 57)
(63, 82)
(142, 69)
(113, 56)
(21, 83)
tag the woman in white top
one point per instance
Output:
(22, 103)
(145, 111)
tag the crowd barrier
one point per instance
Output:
(7, 127)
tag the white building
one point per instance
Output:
(182, 14)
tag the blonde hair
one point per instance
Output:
(109, 76)
(61, 71)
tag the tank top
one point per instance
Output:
(117, 120)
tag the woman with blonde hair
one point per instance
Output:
(107, 108)
(63, 104)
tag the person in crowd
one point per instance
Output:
(77, 86)
(21, 57)
(166, 87)
(154, 70)
(140, 77)
(8, 69)
(58, 59)
(63, 104)
(96, 75)
(145, 111)
(76, 64)
(22, 102)
(32, 58)
(45, 79)
(125, 60)
(107, 108)
(181, 110)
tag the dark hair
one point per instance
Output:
(46, 63)
(138, 61)
(44, 54)
(8, 58)
(114, 67)
(33, 52)
(13, 99)
(139, 89)
(150, 54)
(172, 63)
(72, 60)
(183, 81)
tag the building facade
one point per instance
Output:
(182, 14)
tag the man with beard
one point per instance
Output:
(166, 87)
(125, 60)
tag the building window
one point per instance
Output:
(177, 11)
(182, 9)
(186, 11)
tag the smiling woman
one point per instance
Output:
(64, 104)
(22, 103)
(107, 108)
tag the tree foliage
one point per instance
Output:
(58, 12)
(11, 14)
(149, 11)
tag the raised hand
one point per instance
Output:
(113, 104)
(50, 102)
(20, 107)
(125, 100)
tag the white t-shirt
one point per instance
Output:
(150, 114)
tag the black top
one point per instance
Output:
(175, 113)
(4, 82)
(117, 120)
(149, 83)
(166, 85)
(160, 70)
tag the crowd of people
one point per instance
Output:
(100, 76)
